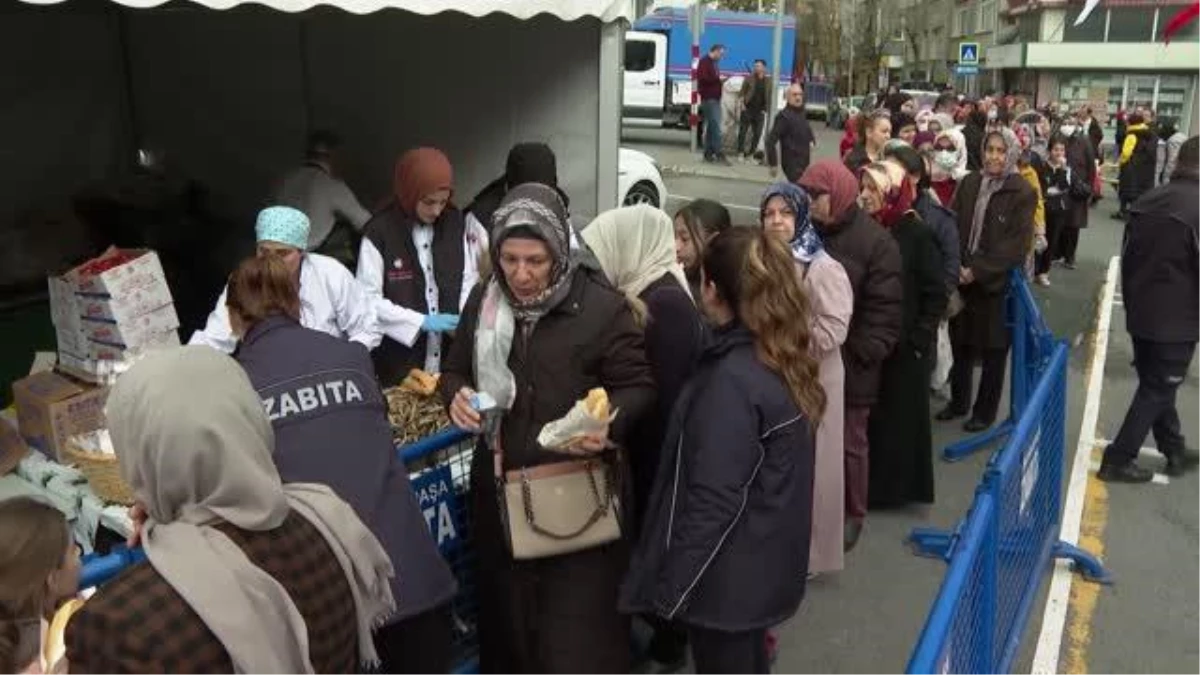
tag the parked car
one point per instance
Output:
(639, 180)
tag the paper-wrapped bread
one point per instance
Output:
(589, 415)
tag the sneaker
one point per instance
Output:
(1126, 473)
(1069, 264)
(1042, 279)
(1179, 463)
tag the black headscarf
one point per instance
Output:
(527, 163)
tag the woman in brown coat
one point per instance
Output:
(536, 338)
(995, 209)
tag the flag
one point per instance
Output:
(1181, 19)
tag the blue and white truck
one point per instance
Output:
(658, 61)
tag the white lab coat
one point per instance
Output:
(331, 301)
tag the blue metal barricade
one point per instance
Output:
(440, 471)
(1001, 549)
(1032, 346)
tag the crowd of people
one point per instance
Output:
(765, 387)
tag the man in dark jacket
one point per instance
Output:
(1139, 155)
(871, 259)
(1160, 280)
(320, 394)
(793, 135)
(756, 96)
(708, 83)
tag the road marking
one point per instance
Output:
(1084, 595)
(1054, 619)
(736, 207)
(1144, 451)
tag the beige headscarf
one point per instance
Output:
(635, 246)
(195, 446)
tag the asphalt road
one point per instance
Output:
(867, 618)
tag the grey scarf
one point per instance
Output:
(991, 184)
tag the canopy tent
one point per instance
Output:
(230, 95)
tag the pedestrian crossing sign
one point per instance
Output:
(968, 53)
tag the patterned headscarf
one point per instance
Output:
(535, 210)
(806, 242)
(282, 225)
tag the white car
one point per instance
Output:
(639, 180)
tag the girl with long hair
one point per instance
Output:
(724, 547)
(696, 223)
(39, 569)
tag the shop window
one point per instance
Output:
(1131, 24)
(1189, 33)
(1172, 93)
(1102, 91)
(1092, 30)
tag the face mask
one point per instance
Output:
(1068, 129)
(946, 159)
(993, 115)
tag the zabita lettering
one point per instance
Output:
(307, 399)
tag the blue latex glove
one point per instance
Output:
(439, 323)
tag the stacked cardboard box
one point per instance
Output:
(109, 311)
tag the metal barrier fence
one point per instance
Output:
(440, 470)
(1004, 545)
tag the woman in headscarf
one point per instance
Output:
(321, 393)
(540, 335)
(785, 214)
(418, 262)
(871, 260)
(901, 440)
(244, 573)
(725, 546)
(634, 247)
(39, 571)
(939, 122)
(695, 224)
(995, 209)
(949, 164)
(1029, 165)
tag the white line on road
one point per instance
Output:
(1054, 619)
(736, 207)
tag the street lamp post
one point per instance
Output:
(776, 56)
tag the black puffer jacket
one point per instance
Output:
(871, 259)
(726, 536)
(1160, 263)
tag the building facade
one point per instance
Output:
(1116, 60)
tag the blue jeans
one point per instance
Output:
(711, 109)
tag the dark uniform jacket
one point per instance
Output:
(138, 623)
(331, 427)
(391, 233)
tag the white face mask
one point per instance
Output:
(1068, 129)
(946, 159)
(993, 115)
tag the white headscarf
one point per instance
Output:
(195, 446)
(635, 246)
(957, 172)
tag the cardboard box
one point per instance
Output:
(52, 408)
(72, 341)
(65, 312)
(132, 333)
(142, 273)
(102, 351)
(90, 370)
(126, 307)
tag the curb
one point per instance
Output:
(679, 171)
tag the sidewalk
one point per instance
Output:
(675, 158)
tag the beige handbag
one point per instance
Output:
(560, 508)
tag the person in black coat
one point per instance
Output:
(1139, 157)
(973, 132)
(1064, 188)
(725, 545)
(995, 225)
(1160, 280)
(792, 133)
(635, 248)
(331, 427)
(939, 219)
(871, 259)
(901, 440)
(1084, 164)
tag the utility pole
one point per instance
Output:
(697, 21)
(776, 57)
